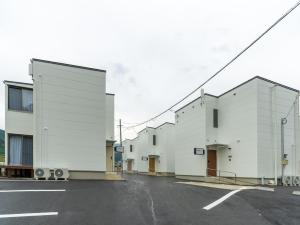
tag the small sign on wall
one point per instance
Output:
(119, 149)
(199, 151)
(144, 158)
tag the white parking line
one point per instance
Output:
(41, 190)
(220, 200)
(29, 214)
(296, 192)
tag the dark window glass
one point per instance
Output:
(20, 150)
(20, 99)
(154, 139)
(130, 148)
(15, 98)
(216, 119)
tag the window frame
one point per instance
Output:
(215, 118)
(8, 146)
(154, 141)
(21, 88)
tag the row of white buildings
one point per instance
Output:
(250, 131)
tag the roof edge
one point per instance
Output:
(245, 82)
(65, 64)
(16, 82)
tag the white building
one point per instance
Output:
(130, 156)
(151, 151)
(64, 119)
(240, 133)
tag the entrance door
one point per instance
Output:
(151, 164)
(129, 165)
(211, 163)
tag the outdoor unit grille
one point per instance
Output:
(296, 181)
(287, 181)
(61, 174)
(42, 173)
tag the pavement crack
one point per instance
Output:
(152, 208)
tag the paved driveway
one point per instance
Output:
(143, 200)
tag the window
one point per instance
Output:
(20, 99)
(131, 148)
(20, 150)
(154, 139)
(215, 119)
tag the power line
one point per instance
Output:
(222, 68)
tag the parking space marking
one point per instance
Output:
(38, 190)
(296, 192)
(220, 200)
(28, 214)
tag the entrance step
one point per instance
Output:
(152, 173)
(113, 176)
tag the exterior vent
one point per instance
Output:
(287, 181)
(42, 173)
(296, 181)
(61, 174)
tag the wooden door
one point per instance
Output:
(151, 164)
(129, 165)
(211, 163)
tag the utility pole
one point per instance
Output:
(120, 127)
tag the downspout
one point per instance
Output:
(275, 128)
(283, 122)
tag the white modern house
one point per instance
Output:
(64, 119)
(152, 151)
(130, 156)
(239, 133)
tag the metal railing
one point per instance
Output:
(219, 173)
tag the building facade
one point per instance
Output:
(239, 133)
(152, 151)
(64, 119)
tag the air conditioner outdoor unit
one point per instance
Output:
(296, 181)
(42, 173)
(287, 181)
(61, 174)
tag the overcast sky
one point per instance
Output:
(154, 52)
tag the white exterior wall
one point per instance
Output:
(144, 146)
(190, 133)
(110, 116)
(238, 129)
(249, 123)
(129, 155)
(274, 102)
(16, 122)
(69, 117)
(165, 148)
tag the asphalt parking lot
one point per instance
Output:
(142, 200)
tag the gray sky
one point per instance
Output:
(154, 52)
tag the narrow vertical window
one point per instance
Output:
(215, 118)
(130, 148)
(154, 139)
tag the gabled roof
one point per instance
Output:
(65, 64)
(256, 77)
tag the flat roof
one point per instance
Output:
(65, 64)
(256, 77)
